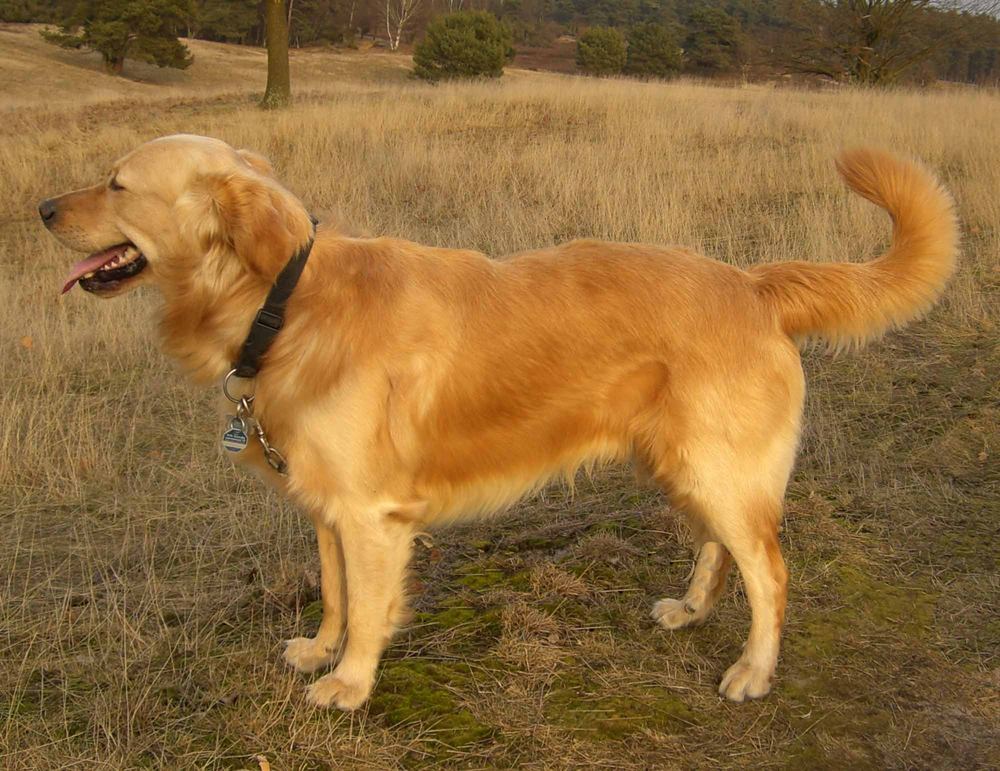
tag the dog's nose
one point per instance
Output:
(47, 210)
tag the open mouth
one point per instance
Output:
(107, 270)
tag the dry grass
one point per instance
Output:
(36, 72)
(147, 585)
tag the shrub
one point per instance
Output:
(714, 40)
(652, 52)
(467, 44)
(601, 51)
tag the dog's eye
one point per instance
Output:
(113, 184)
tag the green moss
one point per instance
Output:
(594, 572)
(490, 573)
(963, 544)
(313, 611)
(448, 618)
(609, 526)
(519, 581)
(808, 749)
(413, 691)
(578, 705)
(545, 542)
(827, 644)
(866, 605)
(480, 580)
(906, 608)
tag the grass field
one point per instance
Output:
(147, 586)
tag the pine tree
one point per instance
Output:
(714, 39)
(652, 52)
(466, 44)
(601, 51)
(145, 30)
(229, 21)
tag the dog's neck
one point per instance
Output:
(206, 315)
(208, 311)
(202, 329)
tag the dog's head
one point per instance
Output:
(178, 210)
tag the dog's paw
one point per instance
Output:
(744, 681)
(676, 614)
(305, 654)
(340, 691)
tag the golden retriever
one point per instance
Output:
(412, 385)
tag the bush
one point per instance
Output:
(714, 40)
(467, 44)
(601, 51)
(652, 52)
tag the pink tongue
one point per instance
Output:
(93, 262)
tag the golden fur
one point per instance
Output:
(413, 385)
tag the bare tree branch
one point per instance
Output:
(398, 14)
(877, 41)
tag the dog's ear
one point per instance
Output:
(258, 219)
(257, 162)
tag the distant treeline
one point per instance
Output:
(869, 41)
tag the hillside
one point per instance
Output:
(147, 586)
(38, 73)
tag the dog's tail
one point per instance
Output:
(849, 304)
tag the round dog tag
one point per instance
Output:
(235, 437)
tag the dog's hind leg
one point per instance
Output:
(707, 584)
(735, 500)
(730, 481)
(752, 538)
(376, 549)
(307, 654)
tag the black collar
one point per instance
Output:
(271, 316)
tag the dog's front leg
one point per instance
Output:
(307, 654)
(376, 549)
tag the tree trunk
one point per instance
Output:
(114, 60)
(279, 89)
(399, 34)
(388, 23)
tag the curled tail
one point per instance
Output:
(849, 304)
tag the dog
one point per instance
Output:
(410, 386)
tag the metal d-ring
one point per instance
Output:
(244, 410)
(235, 399)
